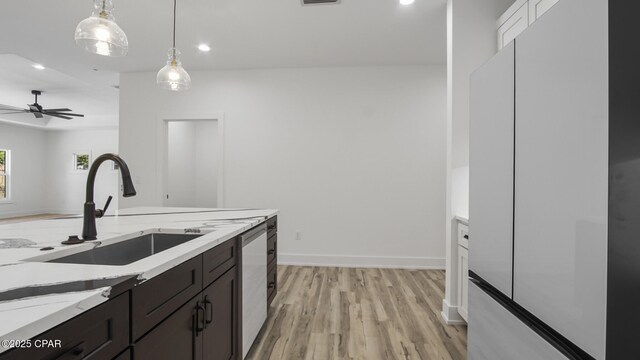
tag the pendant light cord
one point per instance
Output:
(174, 23)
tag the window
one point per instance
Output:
(4, 174)
(81, 161)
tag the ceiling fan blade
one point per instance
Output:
(61, 113)
(13, 112)
(7, 107)
(57, 110)
(37, 114)
(60, 116)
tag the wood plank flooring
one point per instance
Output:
(373, 314)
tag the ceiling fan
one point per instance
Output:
(38, 111)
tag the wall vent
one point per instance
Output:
(316, 2)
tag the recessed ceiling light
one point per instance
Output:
(406, 2)
(38, 66)
(204, 47)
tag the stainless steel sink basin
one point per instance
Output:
(128, 250)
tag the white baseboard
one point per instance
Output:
(450, 314)
(13, 214)
(362, 261)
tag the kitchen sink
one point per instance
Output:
(127, 250)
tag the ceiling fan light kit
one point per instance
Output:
(99, 33)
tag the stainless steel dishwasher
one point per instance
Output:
(254, 285)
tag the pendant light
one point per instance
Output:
(99, 33)
(173, 76)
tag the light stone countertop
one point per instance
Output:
(36, 296)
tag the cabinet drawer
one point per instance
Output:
(272, 283)
(157, 298)
(100, 333)
(272, 226)
(272, 248)
(218, 260)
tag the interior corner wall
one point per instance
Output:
(353, 157)
(66, 187)
(28, 174)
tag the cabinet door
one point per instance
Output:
(561, 188)
(539, 7)
(463, 282)
(491, 170)
(221, 320)
(177, 337)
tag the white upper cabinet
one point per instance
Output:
(512, 23)
(491, 132)
(519, 16)
(539, 7)
(561, 171)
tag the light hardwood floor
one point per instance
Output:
(340, 313)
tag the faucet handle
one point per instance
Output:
(100, 213)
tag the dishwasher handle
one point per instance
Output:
(253, 234)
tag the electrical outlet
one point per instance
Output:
(298, 235)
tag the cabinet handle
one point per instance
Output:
(73, 352)
(209, 313)
(466, 236)
(272, 251)
(271, 285)
(198, 327)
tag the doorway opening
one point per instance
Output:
(193, 164)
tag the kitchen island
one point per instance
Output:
(39, 297)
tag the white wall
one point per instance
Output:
(353, 157)
(28, 169)
(471, 41)
(66, 187)
(43, 179)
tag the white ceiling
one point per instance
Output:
(242, 33)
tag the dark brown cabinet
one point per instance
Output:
(204, 328)
(220, 300)
(100, 333)
(154, 300)
(178, 337)
(272, 259)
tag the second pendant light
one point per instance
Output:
(173, 76)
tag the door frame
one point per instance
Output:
(163, 150)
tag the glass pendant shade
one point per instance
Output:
(99, 33)
(173, 76)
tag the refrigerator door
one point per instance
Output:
(496, 334)
(561, 180)
(491, 170)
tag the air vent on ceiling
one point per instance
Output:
(316, 2)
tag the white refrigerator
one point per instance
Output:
(554, 215)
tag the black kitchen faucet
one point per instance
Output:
(89, 231)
